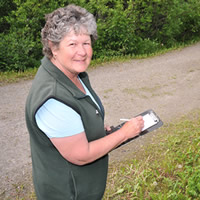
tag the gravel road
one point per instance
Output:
(169, 84)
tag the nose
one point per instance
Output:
(81, 50)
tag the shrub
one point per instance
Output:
(125, 27)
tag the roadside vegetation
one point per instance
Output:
(168, 169)
(126, 28)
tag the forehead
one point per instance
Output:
(74, 35)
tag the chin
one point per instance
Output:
(82, 68)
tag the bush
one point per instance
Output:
(22, 46)
(125, 27)
(19, 52)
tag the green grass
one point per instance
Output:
(168, 169)
(14, 77)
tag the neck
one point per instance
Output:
(72, 76)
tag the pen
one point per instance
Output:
(125, 120)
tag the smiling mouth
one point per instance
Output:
(79, 60)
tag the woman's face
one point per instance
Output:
(74, 53)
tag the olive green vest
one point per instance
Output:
(54, 177)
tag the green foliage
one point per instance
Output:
(116, 30)
(167, 169)
(125, 27)
(22, 48)
(18, 52)
(6, 6)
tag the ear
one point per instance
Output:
(53, 47)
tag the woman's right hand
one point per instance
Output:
(133, 127)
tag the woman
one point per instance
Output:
(65, 117)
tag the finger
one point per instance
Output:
(139, 118)
(107, 128)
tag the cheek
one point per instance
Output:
(90, 52)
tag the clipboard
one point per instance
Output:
(151, 122)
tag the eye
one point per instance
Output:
(87, 43)
(72, 44)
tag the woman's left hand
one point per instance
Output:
(107, 127)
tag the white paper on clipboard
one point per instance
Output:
(149, 120)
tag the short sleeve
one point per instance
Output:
(58, 120)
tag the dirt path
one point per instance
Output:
(169, 84)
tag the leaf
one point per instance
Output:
(120, 191)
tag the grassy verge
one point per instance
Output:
(168, 169)
(14, 77)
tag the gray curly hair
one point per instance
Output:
(63, 20)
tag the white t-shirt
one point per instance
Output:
(58, 120)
